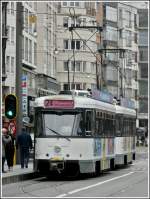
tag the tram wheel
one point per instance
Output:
(112, 164)
(125, 160)
(72, 170)
(97, 168)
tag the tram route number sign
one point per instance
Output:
(67, 104)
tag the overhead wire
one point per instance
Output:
(117, 67)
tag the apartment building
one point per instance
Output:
(143, 68)
(120, 66)
(10, 50)
(76, 65)
(46, 83)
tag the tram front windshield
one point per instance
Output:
(58, 123)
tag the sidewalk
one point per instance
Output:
(18, 174)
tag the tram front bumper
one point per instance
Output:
(45, 166)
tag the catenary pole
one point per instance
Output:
(19, 28)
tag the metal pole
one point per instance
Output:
(68, 75)
(19, 27)
(97, 76)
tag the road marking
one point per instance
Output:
(94, 185)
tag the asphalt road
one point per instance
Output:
(130, 181)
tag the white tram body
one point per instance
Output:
(86, 150)
(61, 146)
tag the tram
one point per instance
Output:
(76, 134)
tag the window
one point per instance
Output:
(73, 44)
(120, 34)
(77, 4)
(128, 38)
(65, 87)
(93, 67)
(30, 51)
(35, 54)
(143, 37)
(8, 34)
(84, 66)
(78, 45)
(72, 66)
(78, 66)
(12, 64)
(66, 44)
(26, 49)
(120, 15)
(12, 34)
(111, 33)
(78, 86)
(26, 20)
(12, 8)
(143, 54)
(66, 66)
(135, 21)
(72, 4)
(144, 70)
(128, 19)
(111, 14)
(143, 18)
(30, 24)
(64, 3)
(7, 63)
(88, 121)
(65, 21)
(135, 38)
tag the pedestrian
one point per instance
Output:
(6, 149)
(24, 142)
(12, 151)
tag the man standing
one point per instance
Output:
(24, 141)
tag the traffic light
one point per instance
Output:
(10, 106)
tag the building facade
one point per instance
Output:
(10, 51)
(143, 68)
(76, 65)
(120, 50)
(46, 49)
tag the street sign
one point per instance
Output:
(24, 96)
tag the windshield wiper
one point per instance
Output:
(58, 134)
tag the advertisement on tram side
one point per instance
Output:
(97, 147)
(110, 146)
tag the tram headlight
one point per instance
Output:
(57, 149)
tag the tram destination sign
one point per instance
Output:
(66, 104)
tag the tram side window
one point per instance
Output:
(109, 125)
(99, 126)
(39, 130)
(89, 119)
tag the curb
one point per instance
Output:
(17, 178)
